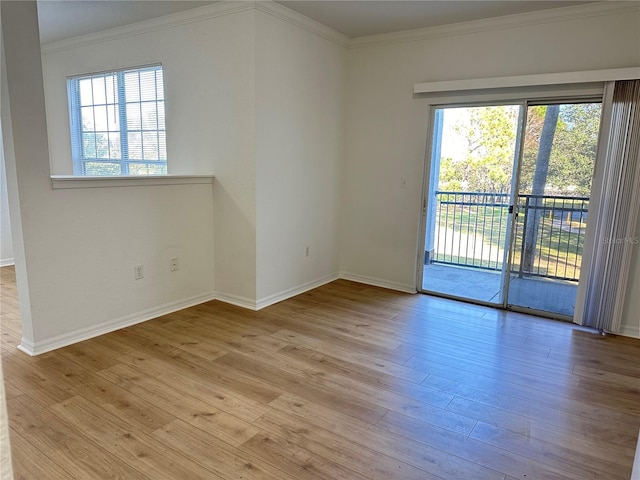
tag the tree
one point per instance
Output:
(489, 135)
(538, 186)
(574, 153)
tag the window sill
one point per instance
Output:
(72, 181)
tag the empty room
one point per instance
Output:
(320, 240)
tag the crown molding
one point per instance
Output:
(286, 14)
(168, 21)
(198, 15)
(499, 23)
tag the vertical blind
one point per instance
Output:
(617, 213)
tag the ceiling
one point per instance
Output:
(354, 18)
(362, 17)
(60, 19)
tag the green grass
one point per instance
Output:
(558, 252)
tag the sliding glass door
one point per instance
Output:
(554, 189)
(507, 203)
(469, 215)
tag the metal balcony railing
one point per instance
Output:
(471, 230)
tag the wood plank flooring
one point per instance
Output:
(343, 382)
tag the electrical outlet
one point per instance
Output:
(403, 182)
(138, 271)
(307, 251)
(174, 264)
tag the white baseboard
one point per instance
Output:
(292, 292)
(236, 300)
(261, 303)
(5, 262)
(377, 282)
(630, 331)
(59, 341)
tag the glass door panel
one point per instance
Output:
(554, 187)
(468, 206)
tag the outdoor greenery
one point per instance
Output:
(559, 254)
(488, 222)
(562, 166)
(573, 153)
(490, 136)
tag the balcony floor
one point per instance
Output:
(553, 296)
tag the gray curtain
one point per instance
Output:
(617, 211)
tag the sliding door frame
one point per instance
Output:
(427, 184)
(581, 95)
(505, 281)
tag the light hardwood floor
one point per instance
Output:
(343, 382)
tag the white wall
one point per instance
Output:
(257, 103)
(6, 245)
(631, 315)
(386, 126)
(81, 245)
(299, 127)
(209, 87)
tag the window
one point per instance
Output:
(117, 122)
